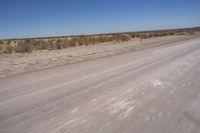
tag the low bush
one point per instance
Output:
(23, 47)
(27, 45)
(1, 49)
(9, 49)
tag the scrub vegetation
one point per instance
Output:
(54, 43)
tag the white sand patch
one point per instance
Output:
(122, 108)
(94, 100)
(74, 110)
(157, 83)
(70, 122)
(147, 118)
(73, 123)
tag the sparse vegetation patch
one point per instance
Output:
(55, 43)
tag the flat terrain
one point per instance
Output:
(154, 90)
(11, 64)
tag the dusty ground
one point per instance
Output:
(155, 90)
(18, 63)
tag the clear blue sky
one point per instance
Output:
(35, 18)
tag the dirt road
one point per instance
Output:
(156, 90)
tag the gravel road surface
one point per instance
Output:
(155, 90)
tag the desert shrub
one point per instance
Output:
(39, 44)
(58, 41)
(142, 36)
(43, 45)
(14, 40)
(83, 41)
(1, 49)
(52, 44)
(59, 44)
(133, 35)
(35, 44)
(192, 32)
(137, 35)
(65, 43)
(101, 39)
(9, 49)
(90, 41)
(146, 35)
(171, 33)
(161, 34)
(73, 42)
(123, 38)
(27, 41)
(23, 47)
(9, 42)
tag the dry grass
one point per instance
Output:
(28, 45)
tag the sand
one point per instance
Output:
(16, 63)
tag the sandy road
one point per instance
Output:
(148, 91)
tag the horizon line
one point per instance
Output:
(95, 34)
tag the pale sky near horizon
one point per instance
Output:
(36, 18)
